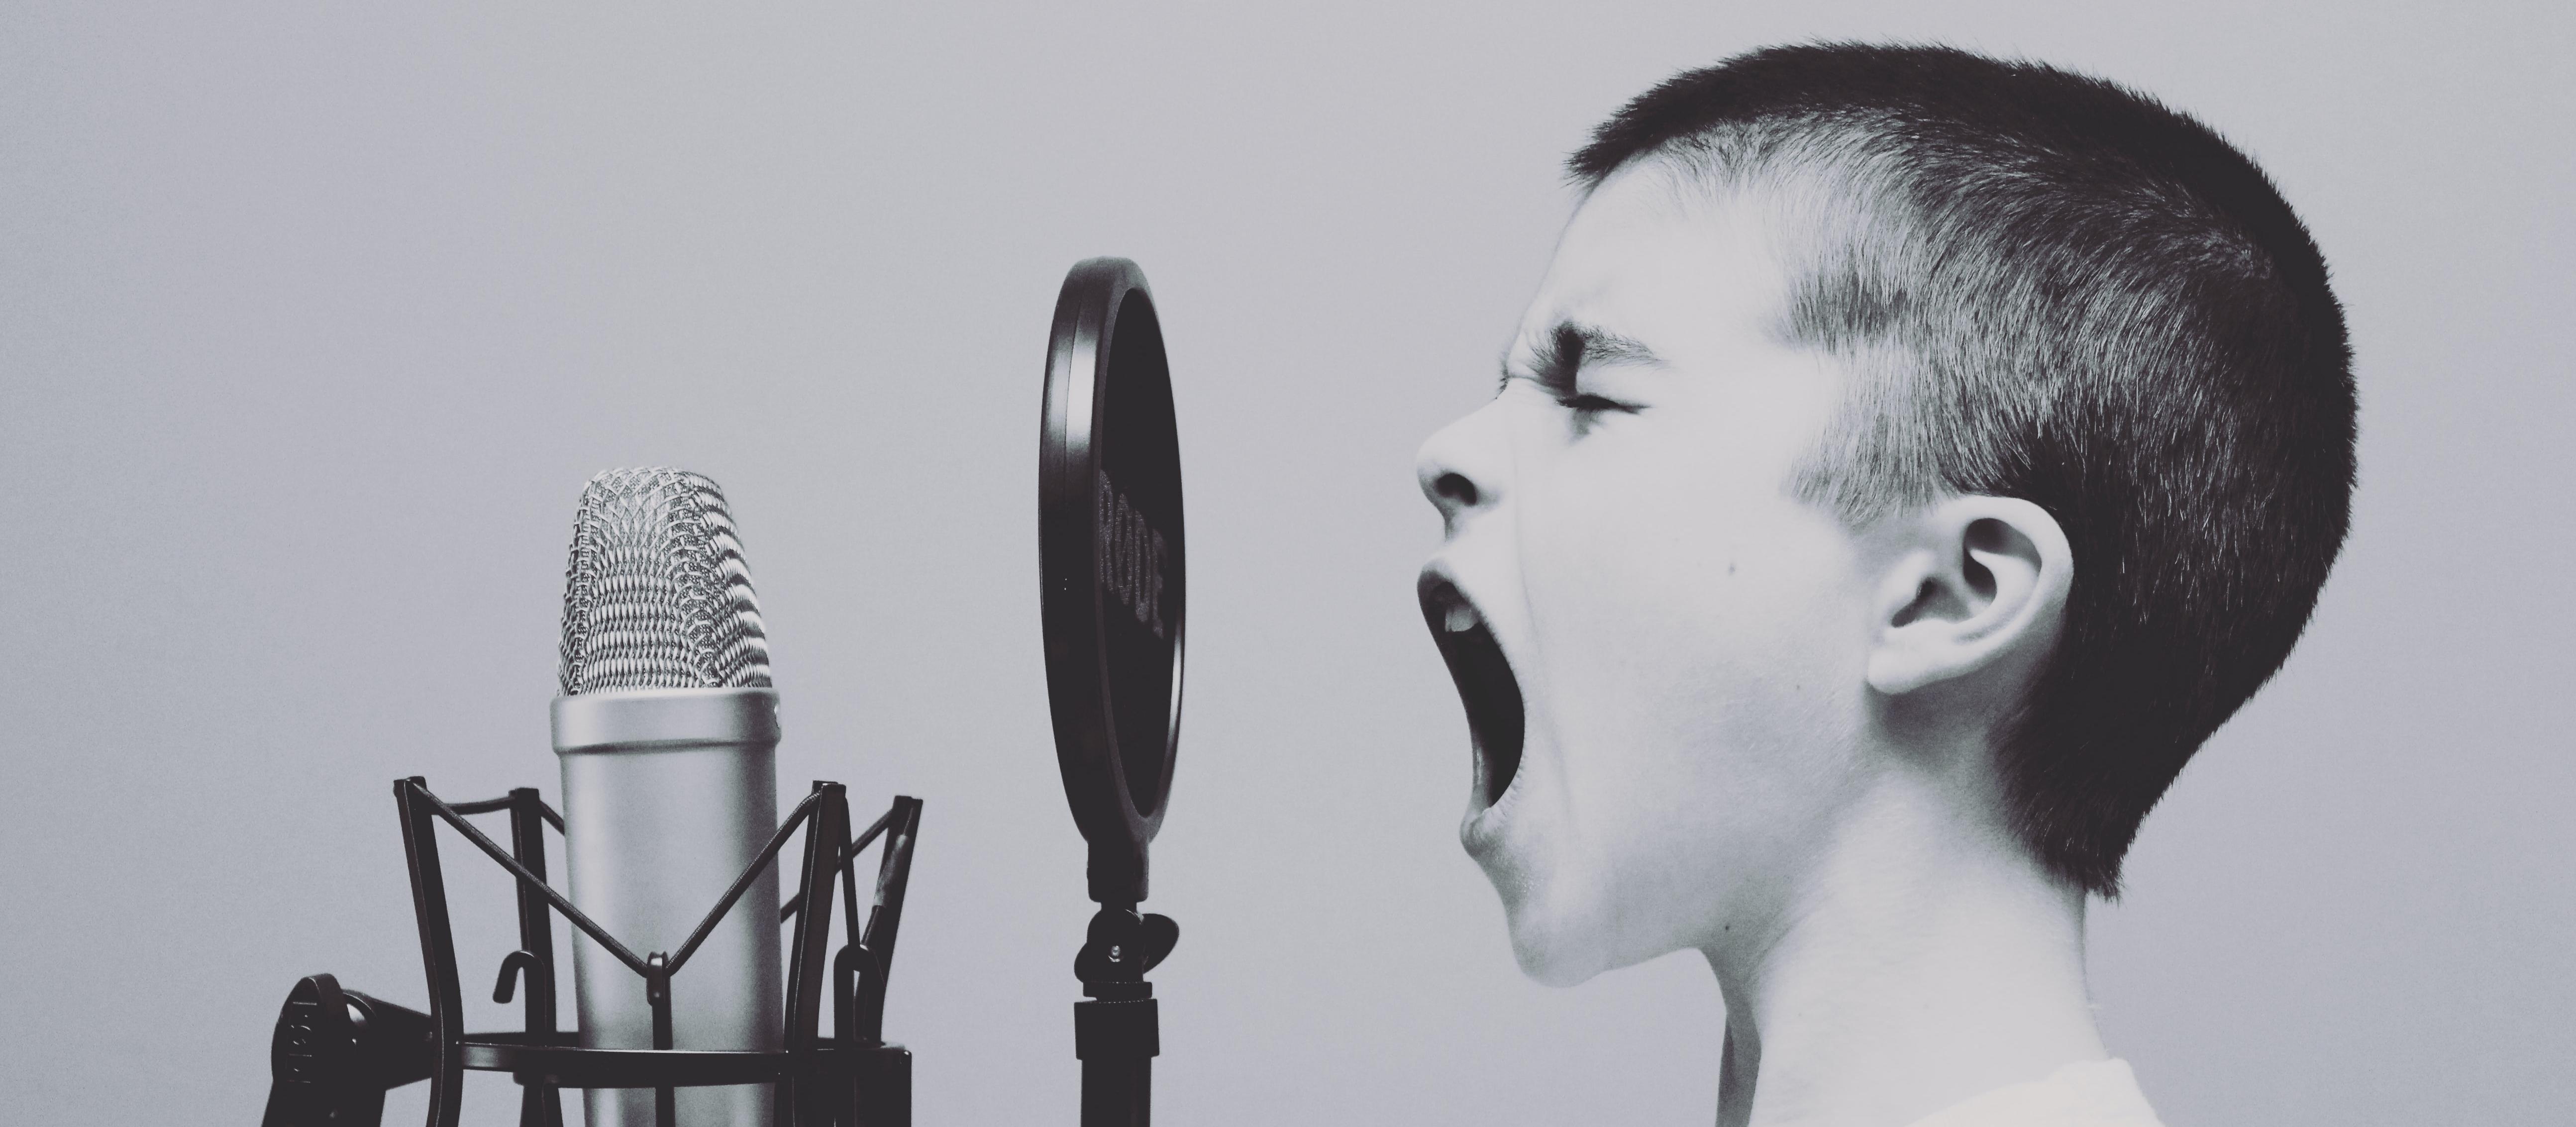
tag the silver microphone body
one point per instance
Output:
(669, 794)
(667, 732)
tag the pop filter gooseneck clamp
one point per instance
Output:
(1110, 550)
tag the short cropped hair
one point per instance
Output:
(2052, 288)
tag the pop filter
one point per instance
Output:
(1110, 550)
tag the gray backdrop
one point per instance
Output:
(315, 317)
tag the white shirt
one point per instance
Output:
(2101, 1093)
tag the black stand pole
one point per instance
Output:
(1118, 1092)
(1117, 1034)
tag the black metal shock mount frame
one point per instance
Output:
(852, 1078)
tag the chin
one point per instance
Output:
(1556, 956)
(1557, 938)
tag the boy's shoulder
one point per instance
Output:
(2101, 1093)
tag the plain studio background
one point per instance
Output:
(314, 319)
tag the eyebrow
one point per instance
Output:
(1573, 344)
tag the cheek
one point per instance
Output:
(1651, 585)
(1700, 655)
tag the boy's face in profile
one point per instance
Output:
(1686, 639)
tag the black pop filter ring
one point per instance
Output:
(1110, 550)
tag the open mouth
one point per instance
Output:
(1484, 677)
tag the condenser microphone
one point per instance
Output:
(667, 732)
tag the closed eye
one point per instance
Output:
(1558, 363)
(1587, 403)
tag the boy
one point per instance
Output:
(1909, 459)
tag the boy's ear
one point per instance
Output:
(1974, 581)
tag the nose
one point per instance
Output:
(1460, 468)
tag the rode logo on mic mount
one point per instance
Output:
(1132, 555)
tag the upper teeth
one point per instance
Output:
(1461, 618)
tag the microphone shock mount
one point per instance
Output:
(336, 1052)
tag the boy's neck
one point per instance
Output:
(1926, 960)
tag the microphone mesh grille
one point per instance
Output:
(656, 595)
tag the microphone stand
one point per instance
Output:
(1117, 1033)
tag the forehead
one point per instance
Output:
(1657, 257)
